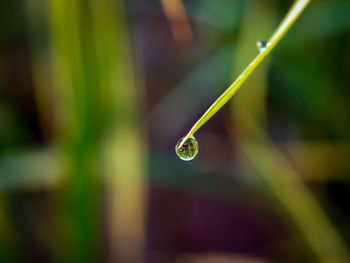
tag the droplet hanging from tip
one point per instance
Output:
(188, 150)
(262, 44)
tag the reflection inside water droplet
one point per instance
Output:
(188, 150)
(262, 44)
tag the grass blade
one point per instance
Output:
(281, 30)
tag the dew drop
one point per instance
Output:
(262, 44)
(188, 150)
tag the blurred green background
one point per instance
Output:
(95, 94)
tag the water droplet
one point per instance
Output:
(262, 44)
(188, 150)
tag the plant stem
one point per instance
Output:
(282, 29)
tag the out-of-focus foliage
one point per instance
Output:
(95, 94)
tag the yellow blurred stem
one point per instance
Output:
(281, 178)
(124, 166)
(282, 29)
(294, 196)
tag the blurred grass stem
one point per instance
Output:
(178, 20)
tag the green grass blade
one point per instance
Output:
(281, 30)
